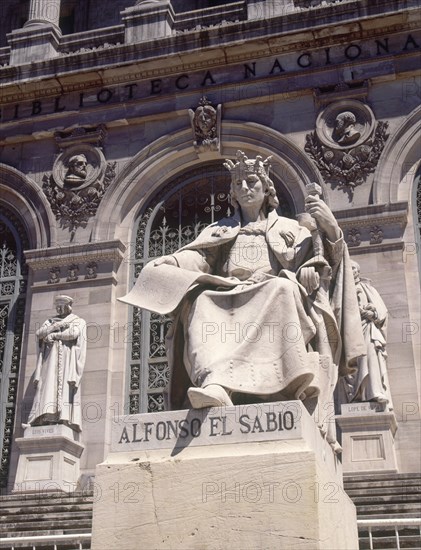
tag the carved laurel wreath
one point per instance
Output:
(74, 207)
(350, 168)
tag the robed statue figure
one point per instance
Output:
(61, 345)
(263, 308)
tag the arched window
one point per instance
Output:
(12, 309)
(172, 219)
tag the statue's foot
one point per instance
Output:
(337, 449)
(380, 398)
(210, 396)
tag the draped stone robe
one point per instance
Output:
(263, 335)
(370, 382)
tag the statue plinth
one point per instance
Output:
(247, 476)
(368, 431)
(48, 459)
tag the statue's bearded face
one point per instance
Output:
(248, 189)
(355, 270)
(63, 310)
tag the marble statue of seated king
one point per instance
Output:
(258, 312)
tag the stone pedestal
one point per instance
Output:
(148, 20)
(39, 39)
(368, 433)
(252, 476)
(48, 460)
(34, 43)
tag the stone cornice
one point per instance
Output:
(364, 216)
(61, 256)
(150, 59)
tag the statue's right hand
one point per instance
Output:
(168, 260)
(50, 338)
(309, 278)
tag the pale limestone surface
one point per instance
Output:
(49, 459)
(275, 111)
(281, 493)
(368, 438)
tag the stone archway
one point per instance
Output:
(25, 199)
(399, 162)
(170, 155)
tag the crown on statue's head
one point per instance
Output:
(256, 166)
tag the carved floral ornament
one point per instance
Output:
(77, 184)
(347, 144)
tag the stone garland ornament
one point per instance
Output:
(376, 234)
(347, 144)
(91, 270)
(353, 237)
(206, 125)
(72, 273)
(79, 180)
(54, 276)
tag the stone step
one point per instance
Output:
(386, 499)
(378, 484)
(62, 525)
(397, 515)
(39, 499)
(25, 518)
(385, 491)
(380, 477)
(59, 546)
(386, 542)
(389, 509)
(45, 510)
(49, 532)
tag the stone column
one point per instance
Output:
(44, 12)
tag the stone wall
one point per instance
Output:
(140, 101)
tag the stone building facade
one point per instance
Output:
(120, 83)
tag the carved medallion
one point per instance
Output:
(80, 178)
(347, 143)
(206, 125)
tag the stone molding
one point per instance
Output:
(374, 228)
(395, 214)
(78, 254)
(95, 136)
(50, 444)
(231, 54)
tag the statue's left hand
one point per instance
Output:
(326, 221)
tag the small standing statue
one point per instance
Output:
(370, 382)
(61, 359)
